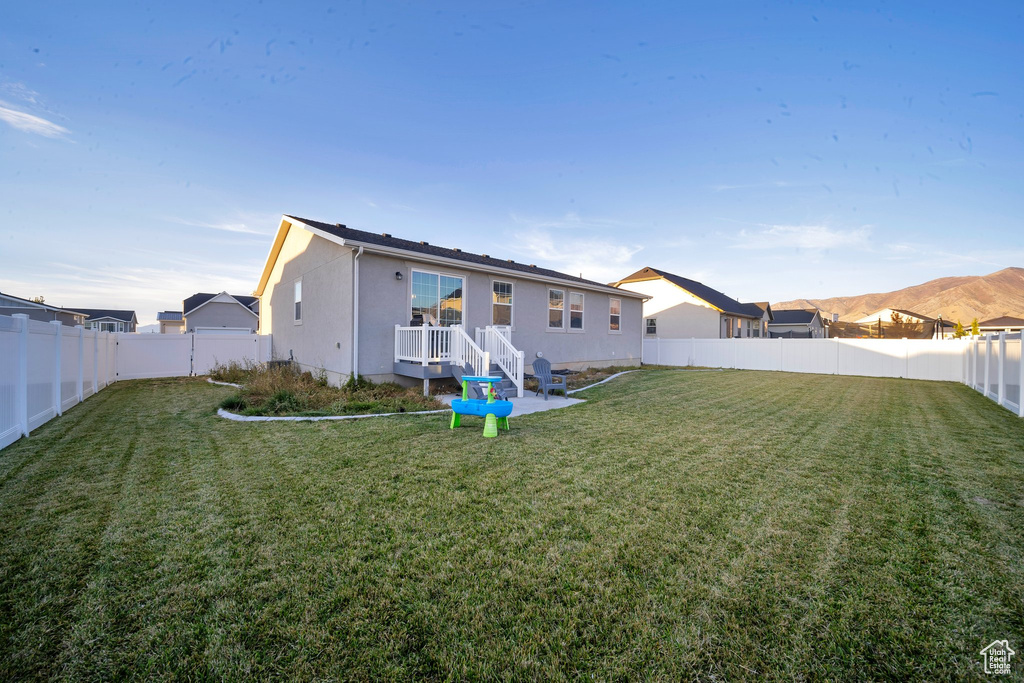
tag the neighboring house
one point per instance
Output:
(797, 323)
(171, 322)
(220, 314)
(885, 315)
(353, 302)
(1003, 324)
(9, 305)
(109, 320)
(679, 308)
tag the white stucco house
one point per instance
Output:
(350, 302)
(680, 308)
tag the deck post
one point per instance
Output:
(424, 345)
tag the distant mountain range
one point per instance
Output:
(955, 298)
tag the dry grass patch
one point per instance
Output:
(281, 390)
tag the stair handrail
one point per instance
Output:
(504, 354)
(465, 350)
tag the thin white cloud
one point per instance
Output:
(807, 237)
(568, 221)
(243, 227)
(30, 124)
(595, 259)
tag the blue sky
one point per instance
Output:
(771, 150)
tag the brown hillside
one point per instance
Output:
(955, 298)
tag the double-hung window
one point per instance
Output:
(437, 298)
(652, 326)
(501, 303)
(298, 301)
(614, 315)
(576, 311)
(556, 309)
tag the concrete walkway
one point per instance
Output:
(527, 404)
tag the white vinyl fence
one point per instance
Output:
(46, 368)
(990, 364)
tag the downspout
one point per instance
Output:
(355, 314)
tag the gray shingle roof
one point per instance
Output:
(197, 300)
(793, 316)
(386, 240)
(700, 290)
(96, 313)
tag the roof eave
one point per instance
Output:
(429, 258)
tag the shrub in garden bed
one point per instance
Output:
(284, 391)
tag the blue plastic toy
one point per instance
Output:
(495, 413)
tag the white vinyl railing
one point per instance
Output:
(497, 341)
(992, 366)
(46, 367)
(426, 345)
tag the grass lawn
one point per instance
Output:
(679, 525)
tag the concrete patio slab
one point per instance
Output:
(527, 404)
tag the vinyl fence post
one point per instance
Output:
(21, 383)
(1001, 395)
(56, 364)
(988, 358)
(81, 362)
(95, 362)
(1020, 379)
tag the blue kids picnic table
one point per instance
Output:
(495, 413)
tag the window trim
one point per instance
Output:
(510, 304)
(297, 301)
(617, 315)
(583, 316)
(440, 274)
(561, 327)
(647, 326)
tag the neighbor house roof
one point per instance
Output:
(723, 302)
(196, 300)
(385, 243)
(170, 316)
(795, 316)
(1004, 321)
(97, 313)
(18, 302)
(758, 308)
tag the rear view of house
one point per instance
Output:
(680, 308)
(353, 302)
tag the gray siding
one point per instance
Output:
(41, 314)
(217, 314)
(385, 302)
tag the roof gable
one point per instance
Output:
(716, 299)
(197, 301)
(94, 314)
